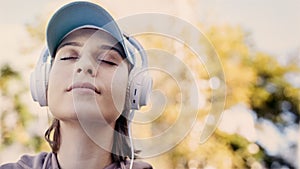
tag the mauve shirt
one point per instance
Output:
(49, 161)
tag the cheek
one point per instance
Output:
(118, 88)
(57, 84)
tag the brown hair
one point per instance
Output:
(55, 141)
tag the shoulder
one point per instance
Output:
(126, 165)
(141, 165)
(40, 160)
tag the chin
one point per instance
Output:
(84, 112)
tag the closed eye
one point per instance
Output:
(69, 58)
(108, 62)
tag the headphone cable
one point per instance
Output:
(130, 138)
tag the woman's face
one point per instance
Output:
(88, 78)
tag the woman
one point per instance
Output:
(87, 90)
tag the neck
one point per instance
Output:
(79, 150)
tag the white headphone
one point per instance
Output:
(140, 83)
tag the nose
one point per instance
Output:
(86, 66)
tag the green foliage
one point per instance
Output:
(15, 116)
(36, 143)
(24, 116)
(36, 30)
(272, 95)
(253, 78)
(7, 73)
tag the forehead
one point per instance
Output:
(89, 36)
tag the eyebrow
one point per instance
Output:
(70, 44)
(107, 47)
(104, 47)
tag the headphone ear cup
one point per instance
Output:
(140, 88)
(140, 83)
(146, 90)
(39, 79)
(133, 90)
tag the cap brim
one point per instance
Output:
(78, 14)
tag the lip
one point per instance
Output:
(84, 85)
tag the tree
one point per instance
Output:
(15, 119)
(254, 79)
